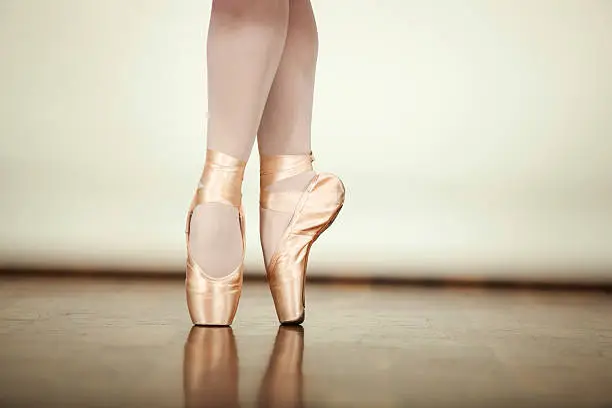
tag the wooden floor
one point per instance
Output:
(125, 343)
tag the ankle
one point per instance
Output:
(277, 168)
(221, 180)
(299, 182)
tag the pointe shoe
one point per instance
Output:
(214, 301)
(210, 368)
(316, 209)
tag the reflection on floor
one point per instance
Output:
(211, 369)
(86, 342)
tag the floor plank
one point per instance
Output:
(121, 343)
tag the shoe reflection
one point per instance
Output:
(283, 382)
(210, 369)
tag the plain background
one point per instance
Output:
(474, 137)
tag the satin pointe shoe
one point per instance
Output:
(210, 368)
(317, 207)
(214, 301)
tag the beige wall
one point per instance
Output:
(474, 137)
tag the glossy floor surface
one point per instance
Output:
(108, 343)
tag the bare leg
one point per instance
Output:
(286, 121)
(245, 44)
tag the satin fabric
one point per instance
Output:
(315, 210)
(214, 301)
